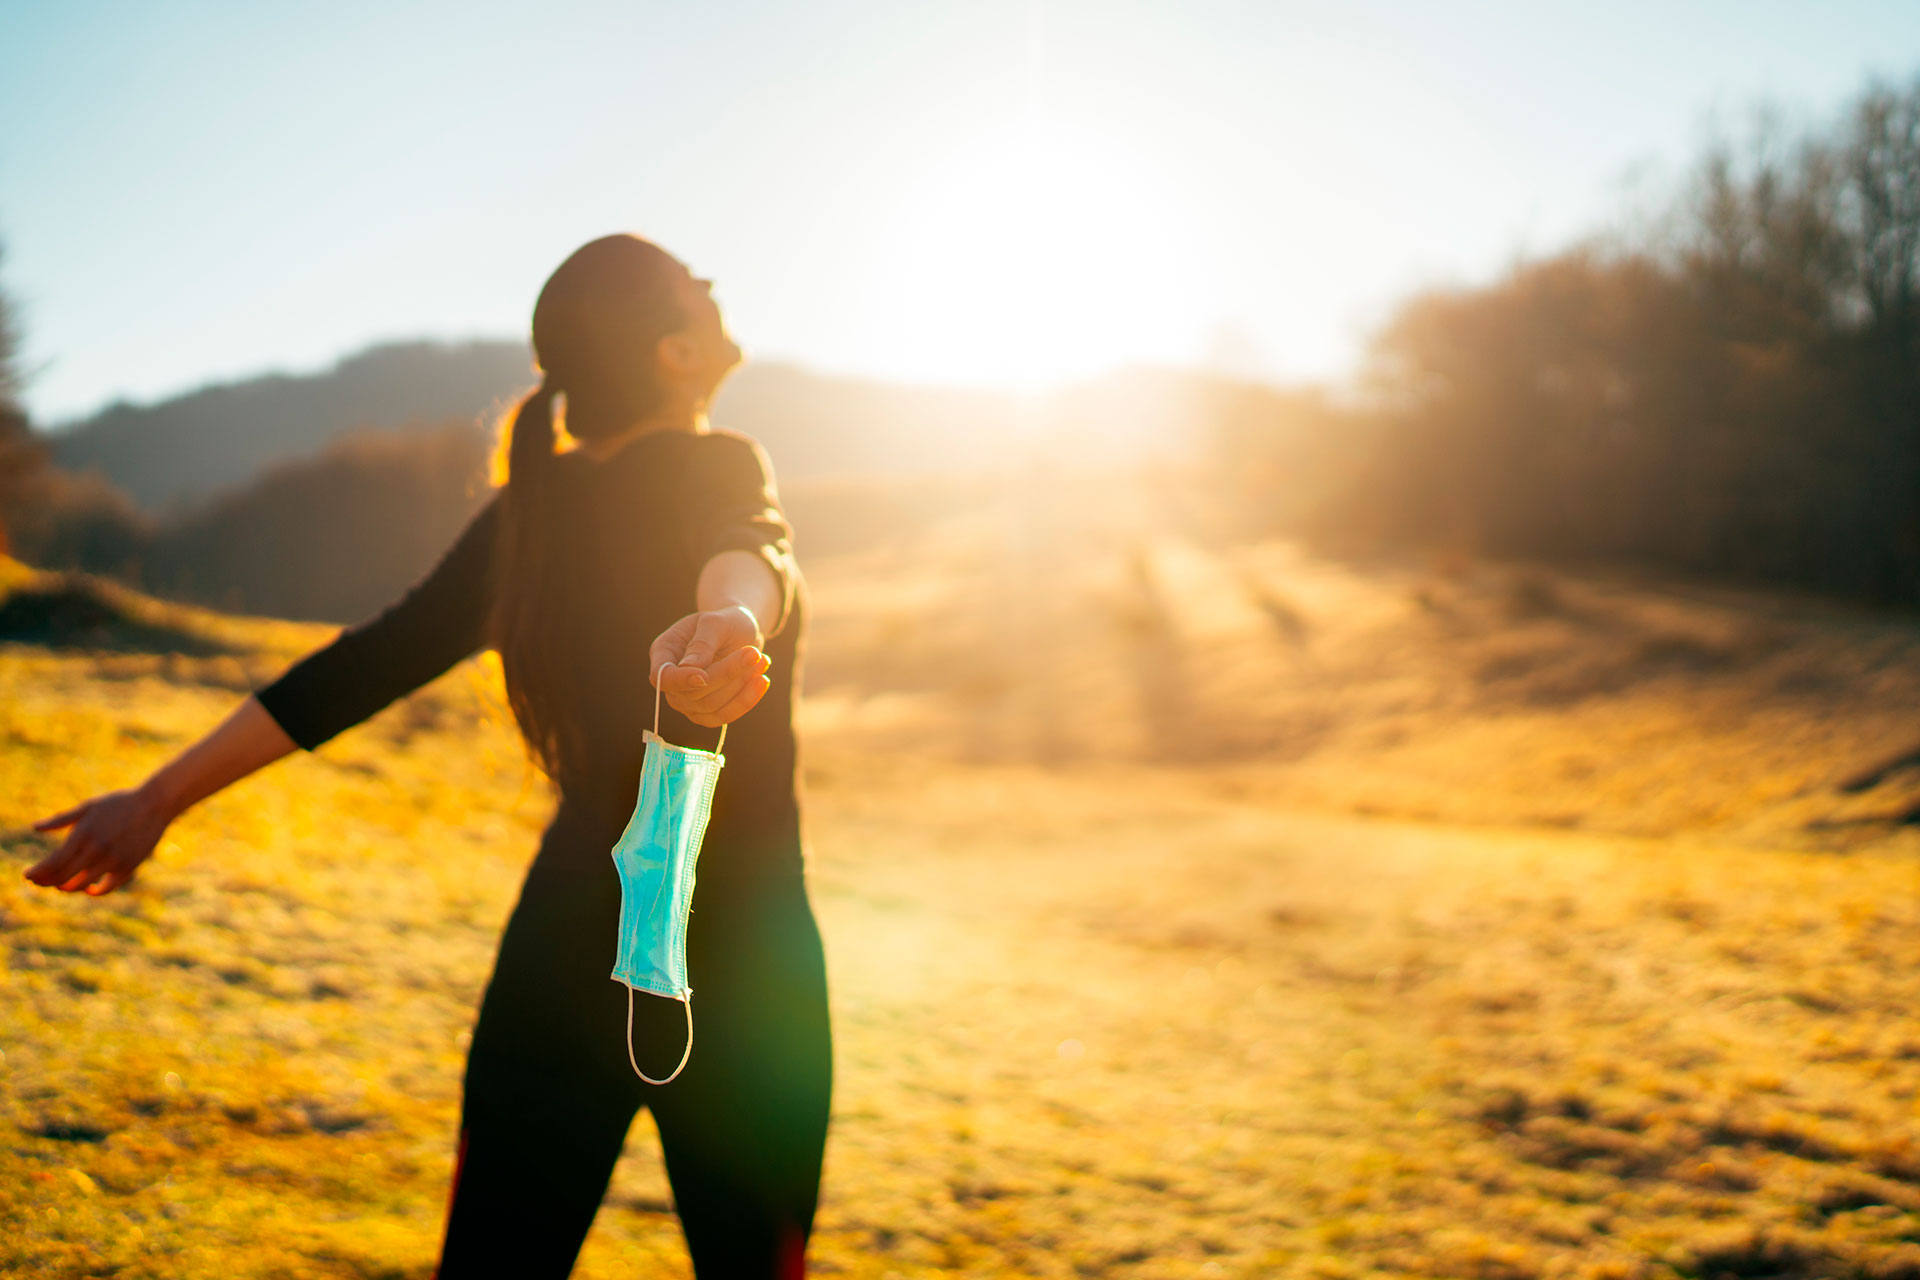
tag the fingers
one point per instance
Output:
(64, 861)
(680, 682)
(688, 658)
(670, 647)
(724, 681)
(743, 702)
(109, 882)
(63, 819)
(710, 635)
(725, 678)
(60, 864)
(691, 688)
(66, 870)
(709, 668)
(108, 837)
(716, 634)
(742, 664)
(92, 870)
(102, 871)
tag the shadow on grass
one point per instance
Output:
(75, 611)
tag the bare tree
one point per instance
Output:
(1880, 156)
(23, 458)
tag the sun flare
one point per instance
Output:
(1034, 255)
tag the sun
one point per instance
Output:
(1033, 255)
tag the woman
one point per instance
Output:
(655, 545)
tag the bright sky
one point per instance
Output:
(986, 191)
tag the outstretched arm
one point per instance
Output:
(436, 624)
(710, 665)
(109, 836)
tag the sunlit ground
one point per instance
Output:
(1191, 910)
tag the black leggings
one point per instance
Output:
(550, 1093)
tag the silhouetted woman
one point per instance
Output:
(654, 540)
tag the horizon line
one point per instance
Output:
(1012, 388)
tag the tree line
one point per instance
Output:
(333, 537)
(1732, 392)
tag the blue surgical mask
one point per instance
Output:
(655, 856)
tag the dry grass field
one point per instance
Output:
(1193, 909)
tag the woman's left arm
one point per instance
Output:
(435, 624)
(711, 666)
(109, 836)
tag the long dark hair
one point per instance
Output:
(596, 329)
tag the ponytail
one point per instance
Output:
(531, 437)
(528, 587)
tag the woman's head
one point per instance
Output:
(625, 331)
(624, 334)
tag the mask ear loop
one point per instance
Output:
(683, 1057)
(656, 708)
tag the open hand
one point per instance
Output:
(108, 838)
(710, 667)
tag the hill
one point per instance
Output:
(169, 455)
(177, 453)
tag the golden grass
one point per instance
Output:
(1127, 982)
(1062, 623)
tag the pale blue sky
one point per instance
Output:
(985, 191)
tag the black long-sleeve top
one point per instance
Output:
(638, 527)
